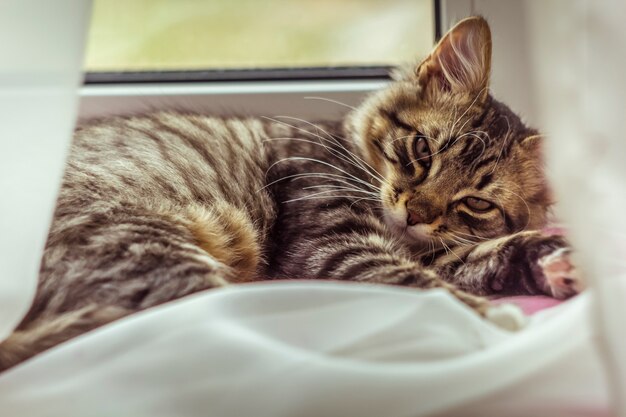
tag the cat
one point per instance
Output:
(429, 183)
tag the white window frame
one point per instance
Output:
(294, 98)
(312, 99)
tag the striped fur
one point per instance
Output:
(159, 206)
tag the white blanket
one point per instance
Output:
(316, 349)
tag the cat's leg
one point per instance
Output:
(47, 332)
(346, 260)
(348, 246)
(111, 263)
(138, 257)
(523, 263)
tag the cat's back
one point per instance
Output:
(149, 198)
(171, 178)
(174, 157)
(152, 208)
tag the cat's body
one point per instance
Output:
(156, 207)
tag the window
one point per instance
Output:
(250, 38)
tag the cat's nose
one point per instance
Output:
(413, 218)
(422, 214)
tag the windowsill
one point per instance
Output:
(318, 99)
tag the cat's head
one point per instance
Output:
(457, 164)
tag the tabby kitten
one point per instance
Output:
(429, 183)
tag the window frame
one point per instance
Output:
(286, 92)
(363, 72)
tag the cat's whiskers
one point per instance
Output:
(504, 141)
(448, 237)
(418, 136)
(333, 177)
(464, 113)
(429, 249)
(456, 243)
(443, 148)
(519, 187)
(460, 243)
(343, 188)
(425, 157)
(302, 158)
(472, 236)
(498, 199)
(335, 191)
(450, 250)
(499, 187)
(330, 101)
(332, 140)
(463, 240)
(450, 132)
(474, 134)
(483, 132)
(443, 245)
(333, 188)
(358, 161)
(339, 179)
(320, 195)
(333, 151)
(434, 252)
(410, 136)
(363, 198)
(350, 158)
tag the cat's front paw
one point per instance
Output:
(534, 263)
(561, 277)
(551, 264)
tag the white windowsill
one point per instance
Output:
(308, 99)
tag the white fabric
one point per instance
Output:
(579, 55)
(315, 349)
(41, 48)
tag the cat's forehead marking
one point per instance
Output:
(395, 117)
(435, 169)
(484, 181)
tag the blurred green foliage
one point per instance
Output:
(195, 34)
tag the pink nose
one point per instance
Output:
(424, 214)
(413, 218)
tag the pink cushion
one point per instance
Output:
(530, 304)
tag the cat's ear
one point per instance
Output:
(460, 63)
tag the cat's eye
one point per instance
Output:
(478, 204)
(421, 150)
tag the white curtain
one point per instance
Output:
(328, 349)
(41, 49)
(579, 56)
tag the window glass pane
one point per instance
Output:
(136, 35)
